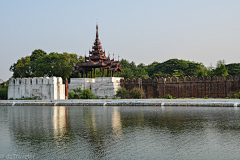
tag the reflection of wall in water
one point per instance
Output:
(31, 128)
(116, 122)
(37, 124)
(29, 125)
(60, 121)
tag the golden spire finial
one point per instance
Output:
(97, 31)
(97, 24)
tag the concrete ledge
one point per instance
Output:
(127, 102)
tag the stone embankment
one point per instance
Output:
(127, 102)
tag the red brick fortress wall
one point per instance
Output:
(197, 87)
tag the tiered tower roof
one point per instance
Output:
(97, 59)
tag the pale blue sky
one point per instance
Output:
(138, 30)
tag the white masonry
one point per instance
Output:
(100, 86)
(40, 87)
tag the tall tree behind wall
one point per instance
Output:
(130, 70)
(233, 68)
(41, 64)
(22, 68)
(34, 58)
(220, 68)
(169, 67)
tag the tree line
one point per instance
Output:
(41, 64)
(177, 67)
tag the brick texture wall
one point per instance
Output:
(197, 87)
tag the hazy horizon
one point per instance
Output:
(141, 31)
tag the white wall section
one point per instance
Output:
(40, 87)
(100, 86)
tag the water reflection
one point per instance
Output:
(60, 122)
(120, 132)
(116, 124)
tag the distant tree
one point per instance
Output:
(36, 54)
(141, 72)
(130, 70)
(127, 73)
(210, 67)
(64, 64)
(150, 69)
(220, 63)
(176, 73)
(220, 68)
(40, 64)
(203, 71)
(233, 68)
(21, 68)
(160, 74)
(168, 68)
(1, 81)
(81, 59)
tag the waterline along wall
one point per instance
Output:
(40, 87)
(198, 87)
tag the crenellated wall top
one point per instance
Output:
(183, 79)
(35, 80)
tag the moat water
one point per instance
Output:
(46, 132)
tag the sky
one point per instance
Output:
(202, 31)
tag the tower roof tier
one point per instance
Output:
(97, 59)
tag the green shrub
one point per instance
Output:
(77, 93)
(205, 97)
(81, 94)
(237, 95)
(168, 96)
(185, 94)
(174, 98)
(87, 94)
(26, 98)
(122, 93)
(192, 97)
(136, 93)
(106, 96)
(78, 90)
(71, 95)
(29, 98)
(2, 93)
(77, 96)
(227, 97)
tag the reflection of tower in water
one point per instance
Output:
(116, 123)
(93, 121)
(60, 121)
